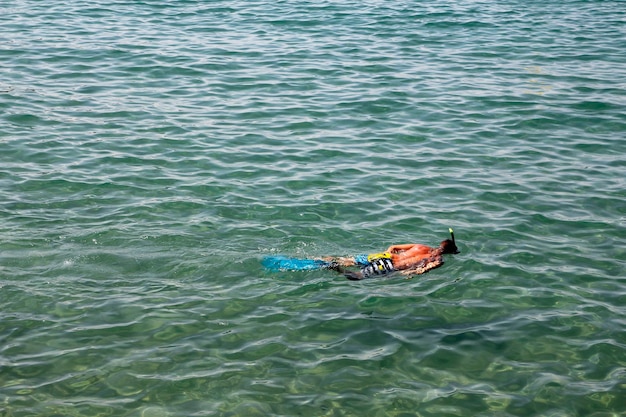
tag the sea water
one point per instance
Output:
(152, 152)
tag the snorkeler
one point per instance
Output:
(408, 259)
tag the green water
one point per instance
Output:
(151, 153)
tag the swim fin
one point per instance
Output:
(284, 263)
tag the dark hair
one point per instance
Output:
(448, 246)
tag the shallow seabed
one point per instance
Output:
(152, 152)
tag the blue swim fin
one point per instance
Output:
(284, 263)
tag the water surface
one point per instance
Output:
(152, 152)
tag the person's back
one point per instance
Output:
(404, 256)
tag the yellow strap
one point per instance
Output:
(375, 256)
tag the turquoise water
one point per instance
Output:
(151, 153)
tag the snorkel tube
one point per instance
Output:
(451, 244)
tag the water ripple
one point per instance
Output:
(152, 153)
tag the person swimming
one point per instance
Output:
(407, 259)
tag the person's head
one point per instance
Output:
(449, 245)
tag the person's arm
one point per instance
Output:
(400, 248)
(423, 267)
